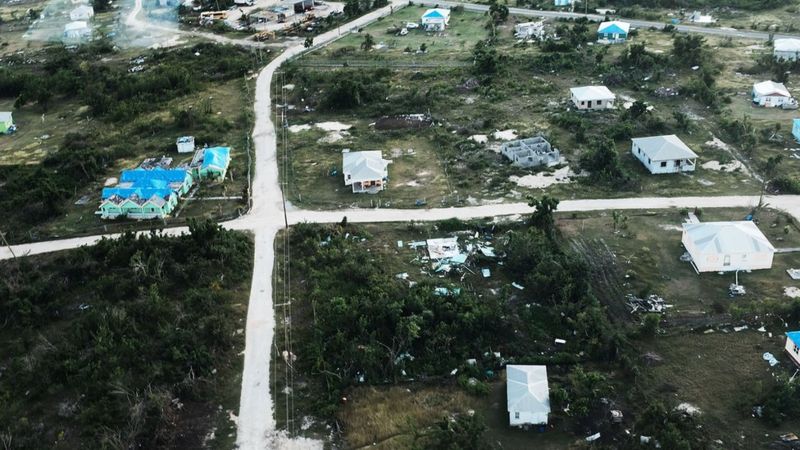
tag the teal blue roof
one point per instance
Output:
(147, 175)
(434, 14)
(794, 336)
(611, 29)
(217, 157)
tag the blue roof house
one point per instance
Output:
(796, 129)
(436, 19)
(793, 346)
(613, 32)
(563, 2)
(211, 162)
(145, 194)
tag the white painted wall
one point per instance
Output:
(669, 166)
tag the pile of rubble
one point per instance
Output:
(652, 304)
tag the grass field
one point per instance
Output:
(721, 374)
(520, 98)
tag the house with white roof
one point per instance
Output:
(664, 154)
(592, 98)
(793, 346)
(436, 19)
(727, 246)
(76, 31)
(698, 17)
(613, 32)
(770, 94)
(82, 12)
(786, 49)
(528, 395)
(365, 171)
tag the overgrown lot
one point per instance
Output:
(131, 343)
(83, 117)
(376, 347)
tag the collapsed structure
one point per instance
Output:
(530, 152)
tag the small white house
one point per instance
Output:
(786, 49)
(727, 246)
(76, 31)
(528, 395)
(82, 12)
(365, 171)
(185, 144)
(592, 98)
(770, 94)
(436, 19)
(664, 154)
(698, 17)
(793, 346)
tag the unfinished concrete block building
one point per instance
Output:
(530, 152)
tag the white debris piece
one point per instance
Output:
(770, 358)
(518, 286)
(593, 437)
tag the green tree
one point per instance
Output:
(543, 216)
(308, 42)
(689, 49)
(367, 43)
(485, 58)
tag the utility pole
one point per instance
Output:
(3, 236)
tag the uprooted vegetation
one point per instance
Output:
(421, 327)
(422, 342)
(128, 343)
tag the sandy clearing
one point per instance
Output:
(299, 128)
(729, 167)
(479, 138)
(333, 126)
(791, 291)
(542, 180)
(505, 135)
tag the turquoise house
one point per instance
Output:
(796, 129)
(6, 123)
(145, 194)
(211, 163)
(613, 32)
(563, 2)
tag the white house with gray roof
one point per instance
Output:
(727, 246)
(365, 171)
(664, 154)
(528, 395)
